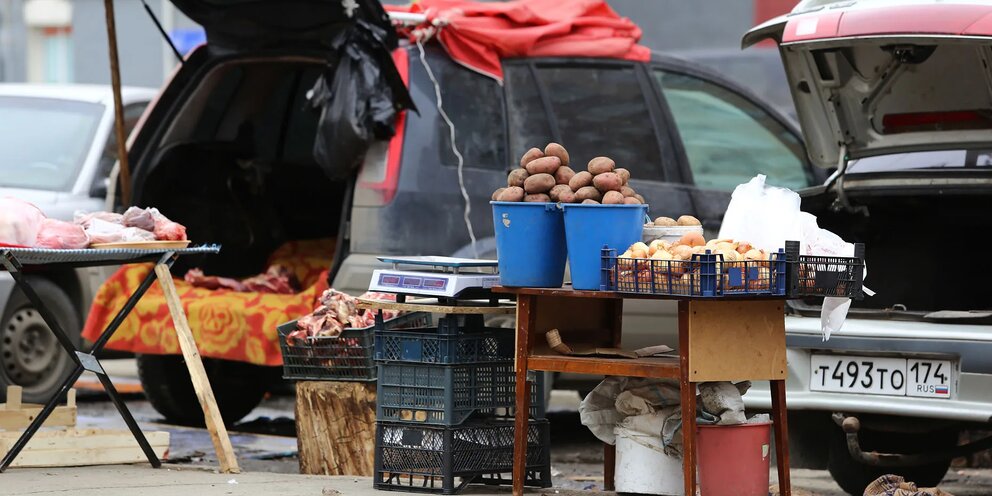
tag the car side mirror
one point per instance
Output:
(100, 188)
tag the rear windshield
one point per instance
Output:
(44, 141)
(943, 159)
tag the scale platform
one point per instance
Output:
(441, 277)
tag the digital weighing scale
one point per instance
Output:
(440, 277)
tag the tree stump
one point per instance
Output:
(335, 427)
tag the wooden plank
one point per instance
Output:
(687, 393)
(780, 425)
(431, 305)
(736, 340)
(14, 397)
(609, 466)
(17, 415)
(581, 322)
(526, 318)
(72, 448)
(640, 367)
(211, 414)
(335, 427)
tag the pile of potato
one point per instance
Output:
(545, 176)
(672, 262)
(685, 220)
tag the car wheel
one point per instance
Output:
(853, 476)
(238, 387)
(30, 355)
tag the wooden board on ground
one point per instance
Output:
(82, 447)
(756, 329)
(433, 306)
(16, 415)
(335, 427)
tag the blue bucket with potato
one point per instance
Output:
(588, 228)
(530, 244)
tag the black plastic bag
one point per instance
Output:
(359, 95)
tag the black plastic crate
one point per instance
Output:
(705, 275)
(423, 458)
(345, 357)
(451, 342)
(450, 394)
(816, 276)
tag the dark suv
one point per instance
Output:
(227, 151)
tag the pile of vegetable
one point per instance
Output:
(546, 176)
(685, 220)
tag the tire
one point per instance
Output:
(853, 476)
(30, 355)
(238, 387)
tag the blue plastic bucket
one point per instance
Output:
(588, 228)
(530, 244)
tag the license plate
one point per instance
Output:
(885, 376)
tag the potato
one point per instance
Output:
(530, 155)
(564, 174)
(567, 196)
(665, 222)
(588, 193)
(600, 165)
(624, 175)
(641, 198)
(537, 198)
(607, 181)
(543, 165)
(630, 200)
(539, 183)
(612, 198)
(512, 194)
(688, 220)
(588, 201)
(580, 180)
(556, 150)
(497, 193)
(517, 177)
(627, 191)
(556, 191)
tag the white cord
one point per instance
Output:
(454, 147)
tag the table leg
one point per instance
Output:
(139, 436)
(525, 319)
(609, 466)
(780, 424)
(687, 391)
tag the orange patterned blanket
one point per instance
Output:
(226, 324)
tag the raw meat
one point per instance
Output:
(61, 235)
(141, 218)
(101, 231)
(165, 229)
(20, 222)
(84, 219)
(338, 311)
(196, 278)
(275, 280)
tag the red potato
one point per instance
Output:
(539, 183)
(588, 193)
(529, 155)
(543, 165)
(590, 202)
(613, 198)
(556, 191)
(607, 181)
(640, 198)
(624, 174)
(538, 198)
(627, 191)
(497, 193)
(600, 165)
(512, 194)
(631, 201)
(517, 177)
(567, 197)
(564, 174)
(580, 180)
(554, 149)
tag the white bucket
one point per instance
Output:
(643, 467)
(670, 234)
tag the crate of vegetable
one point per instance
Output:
(336, 342)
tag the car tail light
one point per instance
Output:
(936, 121)
(380, 174)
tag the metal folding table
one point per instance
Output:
(19, 262)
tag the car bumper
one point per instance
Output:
(970, 344)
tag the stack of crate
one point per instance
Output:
(445, 409)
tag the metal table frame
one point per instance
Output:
(16, 260)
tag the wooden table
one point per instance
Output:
(726, 339)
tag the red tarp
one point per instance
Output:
(478, 35)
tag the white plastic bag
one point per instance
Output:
(20, 222)
(765, 216)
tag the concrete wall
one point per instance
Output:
(13, 41)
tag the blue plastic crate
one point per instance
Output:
(450, 394)
(453, 341)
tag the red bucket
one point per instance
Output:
(733, 459)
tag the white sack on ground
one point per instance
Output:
(723, 400)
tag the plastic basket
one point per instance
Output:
(346, 357)
(425, 458)
(448, 343)
(523, 229)
(705, 275)
(828, 276)
(450, 394)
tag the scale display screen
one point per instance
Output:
(413, 282)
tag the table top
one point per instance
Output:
(569, 292)
(90, 257)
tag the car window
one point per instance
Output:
(728, 139)
(44, 141)
(936, 159)
(602, 110)
(474, 103)
(132, 112)
(527, 119)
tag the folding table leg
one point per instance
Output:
(129, 420)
